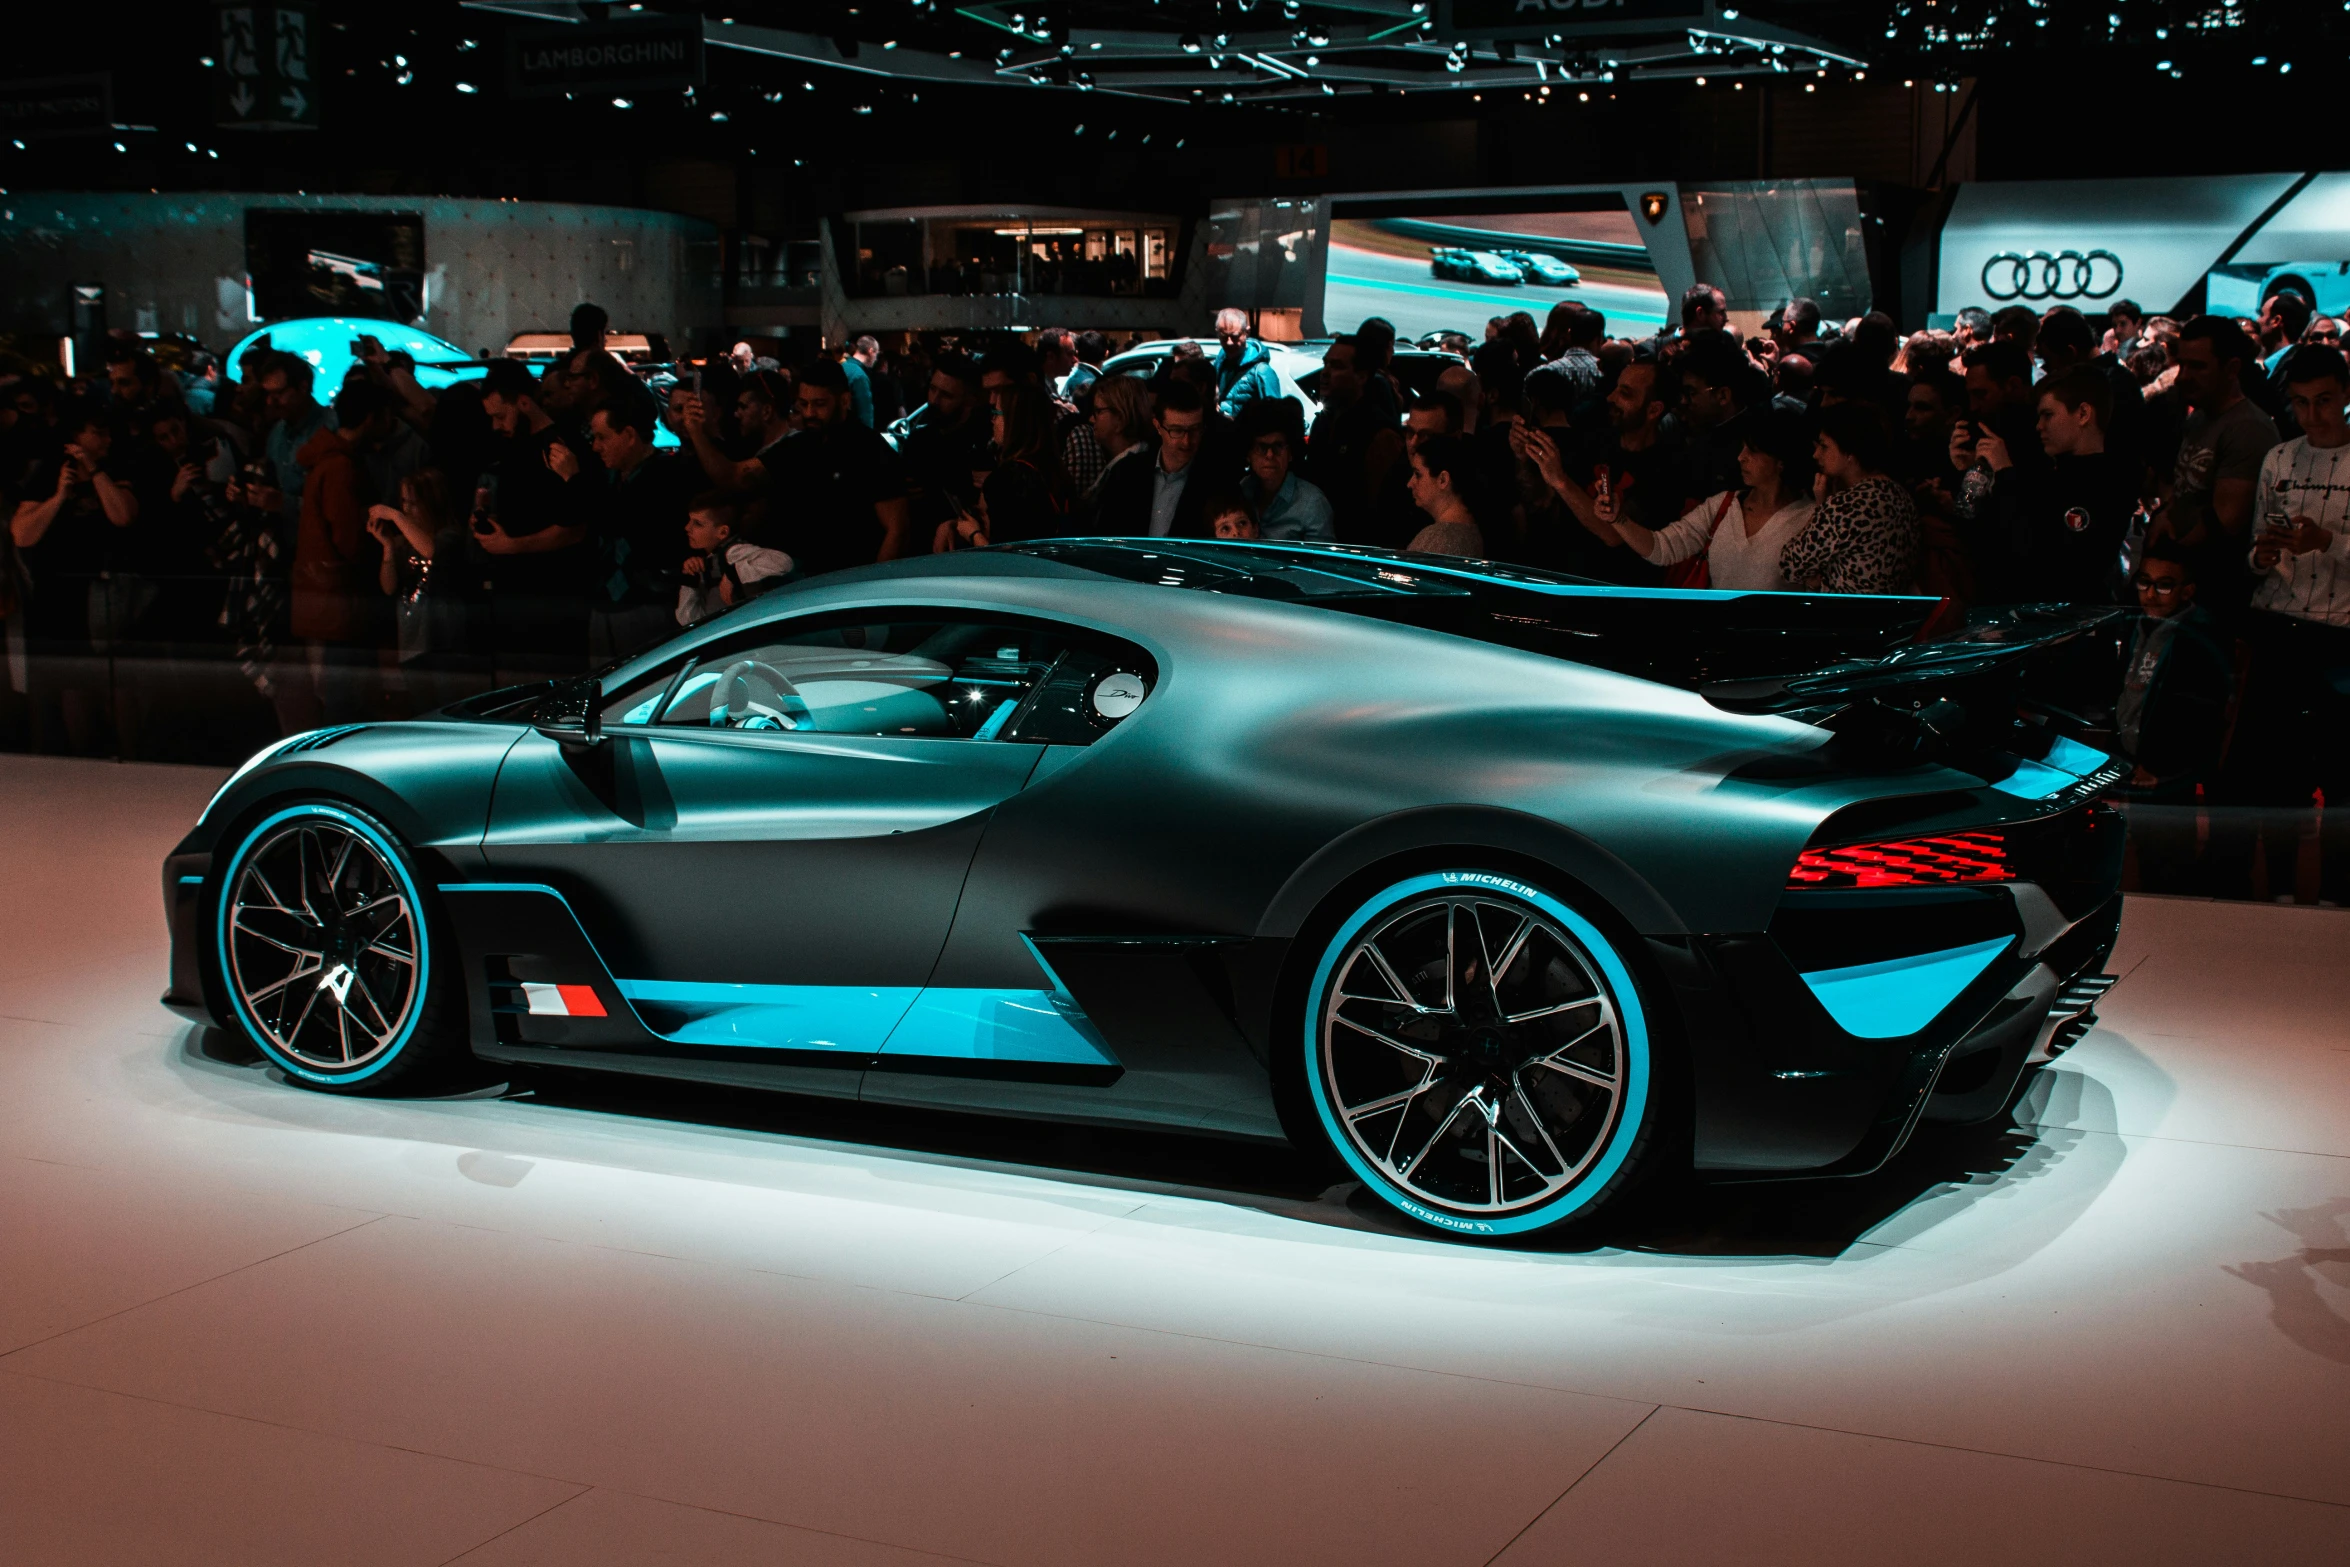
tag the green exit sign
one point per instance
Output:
(263, 68)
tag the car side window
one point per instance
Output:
(915, 673)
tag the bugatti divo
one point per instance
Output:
(1501, 887)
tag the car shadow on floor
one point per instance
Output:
(1687, 1217)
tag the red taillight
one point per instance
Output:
(1905, 862)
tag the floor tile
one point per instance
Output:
(1003, 1435)
(614, 1529)
(91, 1479)
(1688, 1489)
(79, 1245)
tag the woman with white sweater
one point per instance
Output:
(1740, 532)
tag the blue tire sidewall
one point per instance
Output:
(381, 841)
(1624, 993)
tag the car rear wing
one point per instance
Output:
(1991, 642)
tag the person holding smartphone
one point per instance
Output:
(2293, 735)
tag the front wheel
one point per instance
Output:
(1477, 1053)
(323, 949)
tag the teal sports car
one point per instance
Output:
(1474, 266)
(1499, 888)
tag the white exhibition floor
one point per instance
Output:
(244, 1324)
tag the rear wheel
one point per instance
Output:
(1477, 1054)
(323, 947)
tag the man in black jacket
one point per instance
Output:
(2054, 534)
(1163, 497)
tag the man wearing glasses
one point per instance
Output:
(1162, 499)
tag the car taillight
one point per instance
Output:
(1904, 862)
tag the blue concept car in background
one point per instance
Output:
(1503, 888)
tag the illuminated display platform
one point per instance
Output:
(747, 1328)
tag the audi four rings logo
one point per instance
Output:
(2067, 274)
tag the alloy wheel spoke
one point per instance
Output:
(1393, 980)
(1452, 920)
(1437, 1136)
(1497, 967)
(293, 1034)
(373, 922)
(1392, 1043)
(334, 878)
(1518, 1091)
(307, 856)
(274, 986)
(1577, 1071)
(382, 1030)
(260, 878)
(382, 948)
(1560, 1010)
(241, 926)
(1388, 1101)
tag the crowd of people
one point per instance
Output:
(371, 542)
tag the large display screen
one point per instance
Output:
(1435, 264)
(303, 263)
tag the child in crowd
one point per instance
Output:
(2177, 681)
(721, 572)
(1232, 516)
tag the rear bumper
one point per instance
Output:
(1780, 1089)
(1781, 1083)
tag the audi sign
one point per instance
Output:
(2059, 275)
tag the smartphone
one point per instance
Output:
(1601, 488)
(693, 380)
(485, 503)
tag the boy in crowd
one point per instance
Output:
(1231, 516)
(722, 572)
(2176, 682)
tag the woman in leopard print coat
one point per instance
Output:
(1865, 536)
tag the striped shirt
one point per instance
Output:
(2301, 480)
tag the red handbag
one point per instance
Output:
(1697, 570)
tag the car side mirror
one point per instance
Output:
(572, 715)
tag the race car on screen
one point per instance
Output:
(1535, 267)
(1502, 887)
(1473, 266)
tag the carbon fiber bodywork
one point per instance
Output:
(1147, 901)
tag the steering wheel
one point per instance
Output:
(735, 704)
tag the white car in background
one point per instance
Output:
(1292, 364)
(630, 348)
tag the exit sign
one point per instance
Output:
(263, 69)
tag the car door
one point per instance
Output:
(768, 846)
